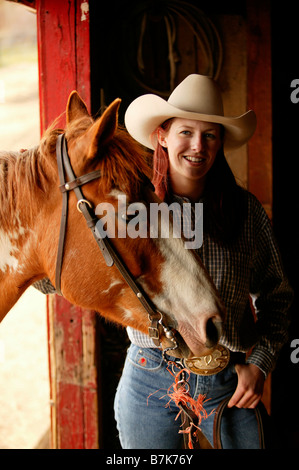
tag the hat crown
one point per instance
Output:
(197, 94)
(197, 97)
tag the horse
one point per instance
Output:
(173, 277)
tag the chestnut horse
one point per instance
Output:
(30, 209)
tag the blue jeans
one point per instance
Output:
(145, 422)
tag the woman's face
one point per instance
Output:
(192, 148)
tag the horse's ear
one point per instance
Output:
(104, 128)
(75, 108)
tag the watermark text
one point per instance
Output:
(155, 220)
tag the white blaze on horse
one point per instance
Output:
(171, 276)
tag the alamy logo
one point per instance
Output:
(295, 353)
(295, 93)
(157, 219)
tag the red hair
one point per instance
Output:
(225, 200)
(161, 164)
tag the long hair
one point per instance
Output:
(161, 167)
(224, 200)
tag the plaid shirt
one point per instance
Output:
(247, 274)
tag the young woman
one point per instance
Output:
(189, 134)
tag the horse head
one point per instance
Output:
(173, 277)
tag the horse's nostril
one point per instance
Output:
(213, 332)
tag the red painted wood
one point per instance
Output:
(91, 424)
(83, 51)
(70, 417)
(73, 376)
(64, 62)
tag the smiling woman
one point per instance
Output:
(189, 134)
(192, 147)
(132, 220)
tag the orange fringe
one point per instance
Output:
(179, 393)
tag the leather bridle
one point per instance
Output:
(69, 182)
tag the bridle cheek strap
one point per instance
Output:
(73, 183)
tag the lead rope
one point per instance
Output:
(191, 412)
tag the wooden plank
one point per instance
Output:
(260, 100)
(57, 62)
(83, 51)
(90, 380)
(64, 65)
(52, 370)
(73, 376)
(64, 50)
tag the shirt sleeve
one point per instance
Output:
(271, 295)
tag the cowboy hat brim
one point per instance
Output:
(147, 112)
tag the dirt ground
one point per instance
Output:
(24, 382)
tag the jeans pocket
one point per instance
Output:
(145, 358)
(227, 379)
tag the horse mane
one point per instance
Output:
(25, 176)
(22, 176)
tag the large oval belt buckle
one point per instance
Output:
(210, 364)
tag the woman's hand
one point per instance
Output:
(250, 386)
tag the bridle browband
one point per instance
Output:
(69, 182)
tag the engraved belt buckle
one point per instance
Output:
(211, 363)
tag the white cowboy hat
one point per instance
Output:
(197, 97)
